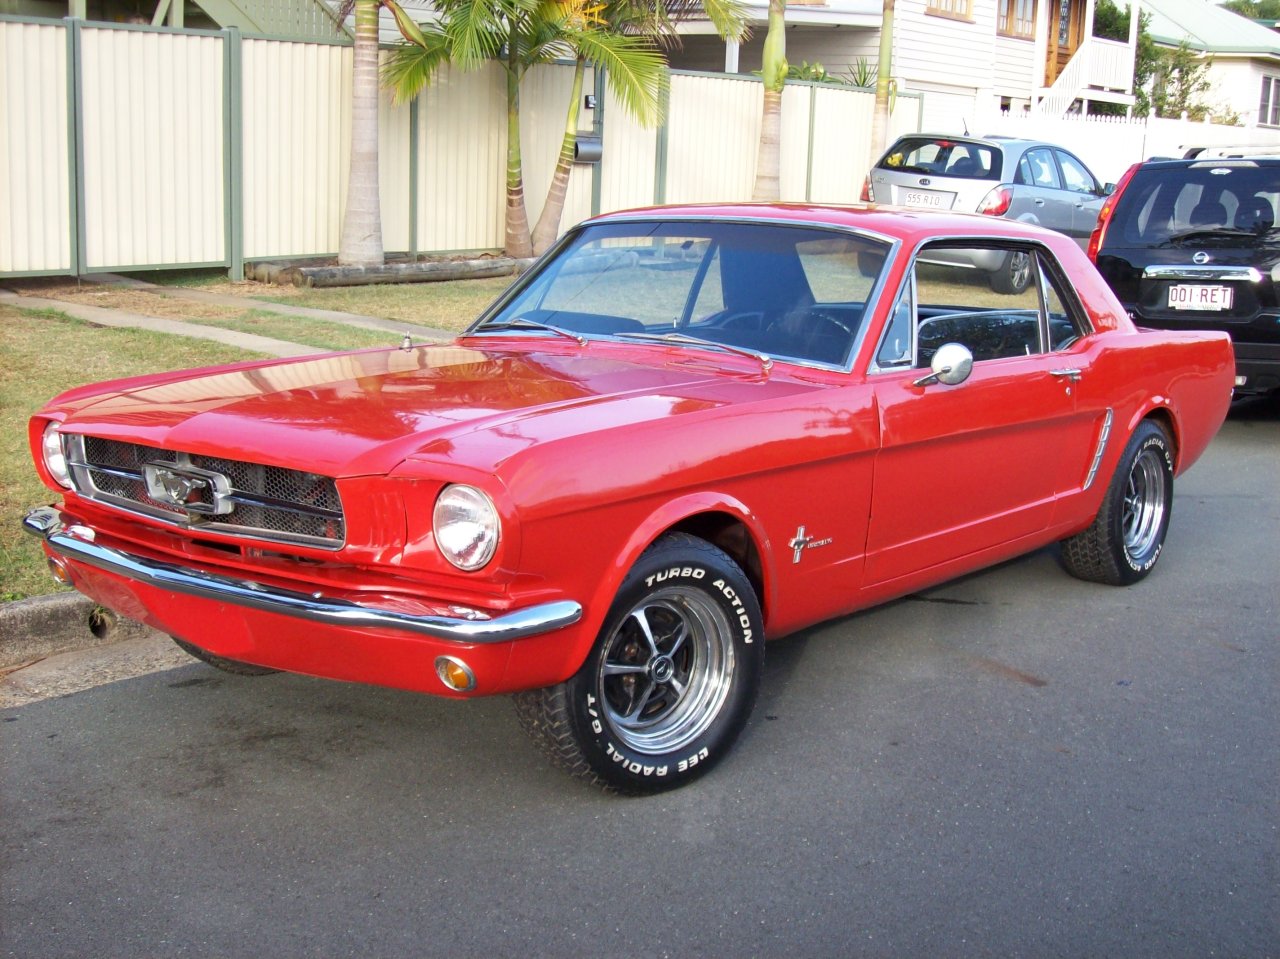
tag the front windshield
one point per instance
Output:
(790, 293)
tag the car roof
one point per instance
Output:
(908, 224)
(1208, 162)
(991, 139)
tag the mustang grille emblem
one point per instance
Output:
(199, 492)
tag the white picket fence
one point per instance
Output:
(1110, 145)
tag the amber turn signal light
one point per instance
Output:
(455, 674)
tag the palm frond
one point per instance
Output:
(411, 68)
(636, 71)
(729, 17)
(408, 29)
(477, 30)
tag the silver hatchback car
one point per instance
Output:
(1026, 180)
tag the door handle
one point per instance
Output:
(1070, 373)
(1039, 202)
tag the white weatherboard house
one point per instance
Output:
(1244, 56)
(968, 57)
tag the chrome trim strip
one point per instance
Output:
(1208, 272)
(76, 543)
(1103, 435)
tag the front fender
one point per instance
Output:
(554, 657)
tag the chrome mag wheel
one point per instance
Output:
(1142, 514)
(667, 670)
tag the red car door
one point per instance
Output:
(970, 467)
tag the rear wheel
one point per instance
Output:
(671, 680)
(1126, 537)
(1013, 275)
(222, 663)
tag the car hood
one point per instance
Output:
(364, 413)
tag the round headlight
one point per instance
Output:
(55, 461)
(466, 526)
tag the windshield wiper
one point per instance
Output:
(765, 361)
(524, 323)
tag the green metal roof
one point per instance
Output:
(1210, 28)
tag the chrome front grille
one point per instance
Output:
(208, 492)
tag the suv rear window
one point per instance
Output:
(1200, 200)
(939, 156)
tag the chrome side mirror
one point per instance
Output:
(952, 364)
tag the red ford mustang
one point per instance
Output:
(684, 432)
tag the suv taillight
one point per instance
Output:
(866, 190)
(1104, 215)
(997, 202)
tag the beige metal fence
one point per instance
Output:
(142, 147)
(35, 190)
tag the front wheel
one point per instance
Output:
(1126, 537)
(671, 680)
(221, 662)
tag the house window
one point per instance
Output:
(1017, 18)
(955, 9)
(1269, 105)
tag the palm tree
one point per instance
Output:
(361, 239)
(655, 20)
(768, 160)
(880, 119)
(621, 39)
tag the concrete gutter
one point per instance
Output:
(43, 626)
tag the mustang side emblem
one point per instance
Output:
(800, 542)
(199, 492)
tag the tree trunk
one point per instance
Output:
(518, 242)
(880, 118)
(548, 228)
(768, 161)
(361, 240)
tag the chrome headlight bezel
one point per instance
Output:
(466, 526)
(53, 456)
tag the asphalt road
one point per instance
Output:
(1015, 764)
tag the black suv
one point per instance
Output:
(1193, 244)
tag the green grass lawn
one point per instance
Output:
(42, 354)
(451, 305)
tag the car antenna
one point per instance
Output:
(406, 343)
(965, 123)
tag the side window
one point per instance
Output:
(895, 347)
(1061, 322)
(953, 296)
(1075, 175)
(1040, 170)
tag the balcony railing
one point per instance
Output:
(1097, 65)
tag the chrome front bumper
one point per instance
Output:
(76, 543)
